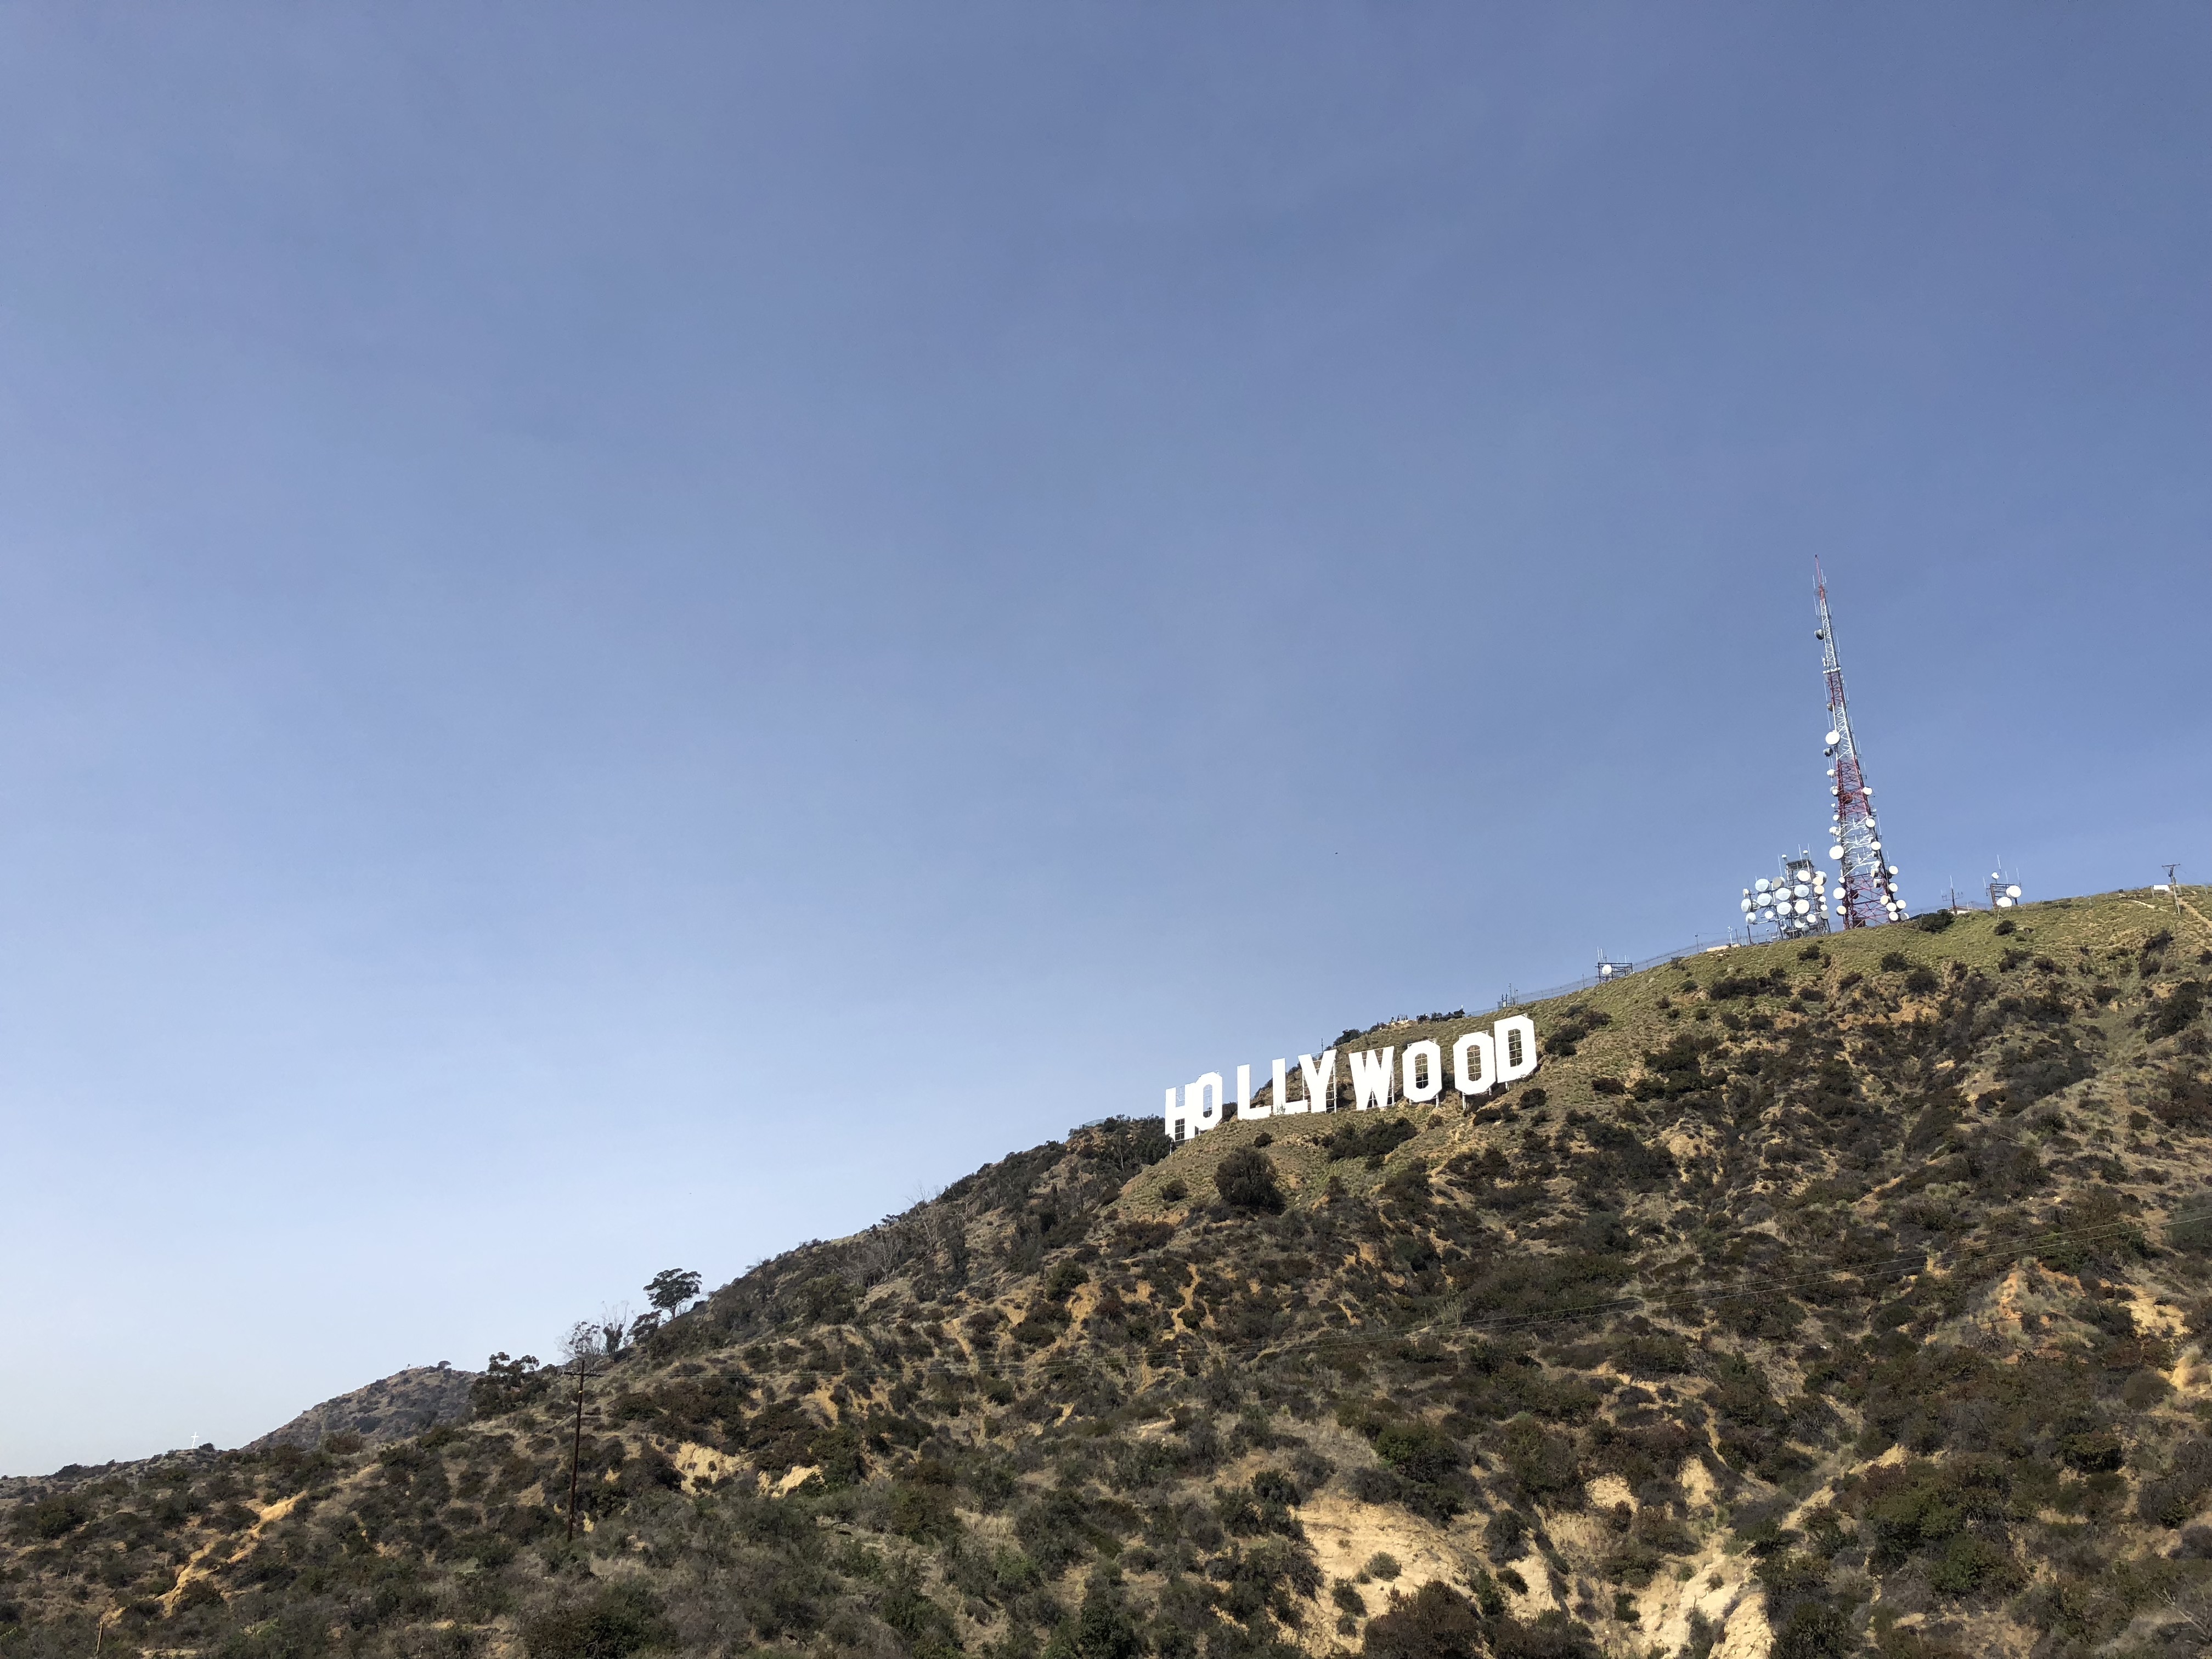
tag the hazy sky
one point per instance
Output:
(632, 635)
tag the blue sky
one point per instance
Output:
(627, 637)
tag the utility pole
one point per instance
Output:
(577, 1449)
(2173, 888)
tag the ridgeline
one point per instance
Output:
(1842, 1298)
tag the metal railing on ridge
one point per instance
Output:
(1611, 972)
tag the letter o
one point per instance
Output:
(1432, 1059)
(1477, 1079)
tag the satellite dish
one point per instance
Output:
(1835, 736)
(2013, 892)
(1744, 905)
(1835, 852)
(1803, 907)
(1894, 871)
(1762, 884)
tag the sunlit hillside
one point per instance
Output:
(1809, 1300)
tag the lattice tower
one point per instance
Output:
(1866, 886)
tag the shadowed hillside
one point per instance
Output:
(391, 1408)
(1841, 1299)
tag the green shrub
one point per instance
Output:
(1538, 1461)
(1377, 1139)
(1101, 1629)
(1657, 1355)
(1971, 1564)
(1813, 1630)
(1246, 1179)
(620, 1620)
(921, 1511)
(1435, 1622)
(1054, 1529)
(1730, 987)
(52, 1517)
(2178, 1010)
(1502, 1535)
(1421, 1451)
(926, 1630)
(2174, 1497)
(1066, 1278)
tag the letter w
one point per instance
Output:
(1370, 1077)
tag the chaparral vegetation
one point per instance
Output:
(1812, 1300)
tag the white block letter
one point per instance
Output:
(1284, 1105)
(1174, 1117)
(1321, 1080)
(1370, 1077)
(1476, 1080)
(1201, 1103)
(1516, 1047)
(1244, 1106)
(1432, 1059)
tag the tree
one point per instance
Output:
(1246, 1179)
(670, 1288)
(505, 1384)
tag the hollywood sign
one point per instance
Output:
(1480, 1061)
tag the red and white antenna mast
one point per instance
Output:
(1866, 886)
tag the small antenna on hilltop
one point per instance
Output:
(2173, 887)
(2004, 890)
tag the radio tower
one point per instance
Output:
(1866, 887)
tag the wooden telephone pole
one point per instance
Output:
(580, 1348)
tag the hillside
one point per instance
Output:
(394, 1407)
(1842, 1299)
